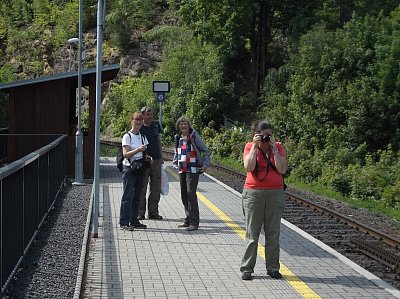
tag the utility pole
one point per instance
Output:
(96, 183)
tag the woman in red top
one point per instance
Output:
(263, 198)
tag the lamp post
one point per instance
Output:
(78, 134)
(71, 42)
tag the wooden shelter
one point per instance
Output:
(47, 105)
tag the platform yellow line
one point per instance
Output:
(300, 286)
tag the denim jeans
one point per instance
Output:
(262, 208)
(132, 189)
(188, 182)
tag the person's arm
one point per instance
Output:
(280, 159)
(128, 151)
(160, 146)
(250, 157)
(175, 159)
(202, 147)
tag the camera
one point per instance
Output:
(265, 138)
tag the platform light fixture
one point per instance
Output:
(78, 134)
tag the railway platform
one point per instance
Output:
(164, 261)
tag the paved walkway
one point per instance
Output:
(165, 261)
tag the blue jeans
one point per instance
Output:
(133, 188)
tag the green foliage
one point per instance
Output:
(124, 99)
(334, 95)
(222, 23)
(196, 77)
(370, 180)
(225, 143)
(17, 12)
(108, 151)
(7, 74)
(43, 13)
(126, 17)
(391, 194)
(67, 23)
(340, 107)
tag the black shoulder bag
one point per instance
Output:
(139, 165)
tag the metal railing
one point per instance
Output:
(28, 189)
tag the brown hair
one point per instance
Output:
(261, 125)
(137, 115)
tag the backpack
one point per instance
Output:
(120, 156)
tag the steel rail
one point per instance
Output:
(393, 242)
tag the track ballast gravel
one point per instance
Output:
(51, 265)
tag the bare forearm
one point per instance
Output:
(250, 159)
(280, 163)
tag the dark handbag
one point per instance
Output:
(137, 166)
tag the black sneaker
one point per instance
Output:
(274, 274)
(140, 217)
(155, 217)
(139, 225)
(246, 276)
(126, 227)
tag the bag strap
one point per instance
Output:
(130, 139)
(273, 167)
(268, 164)
(142, 139)
(176, 137)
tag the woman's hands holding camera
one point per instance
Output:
(257, 138)
(260, 139)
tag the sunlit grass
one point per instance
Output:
(108, 151)
(229, 162)
(375, 206)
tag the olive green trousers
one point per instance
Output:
(262, 207)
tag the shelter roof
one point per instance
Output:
(108, 72)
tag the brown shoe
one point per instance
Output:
(192, 227)
(183, 225)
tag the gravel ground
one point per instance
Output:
(363, 215)
(51, 266)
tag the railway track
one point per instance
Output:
(372, 249)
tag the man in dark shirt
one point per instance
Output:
(152, 130)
